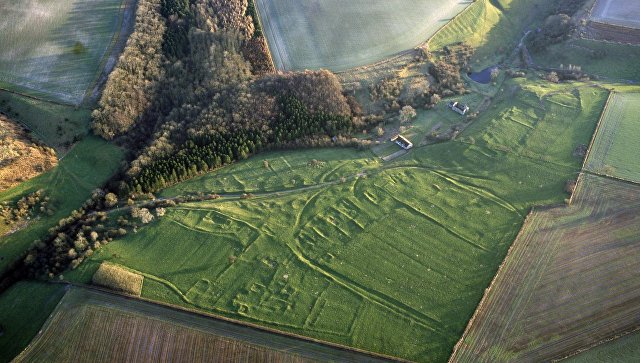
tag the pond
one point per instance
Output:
(484, 76)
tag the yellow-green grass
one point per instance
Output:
(118, 278)
(338, 35)
(493, 27)
(23, 310)
(84, 168)
(54, 49)
(92, 326)
(568, 281)
(616, 146)
(613, 63)
(409, 245)
(625, 349)
(512, 123)
(56, 125)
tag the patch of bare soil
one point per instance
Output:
(21, 157)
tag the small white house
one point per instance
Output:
(402, 142)
(458, 107)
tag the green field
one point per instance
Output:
(567, 282)
(616, 146)
(494, 27)
(622, 350)
(55, 49)
(86, 167)
(614, 64)
(357, 244)
(338, 35)
(91, 326)
(23, 310)
(56, 125)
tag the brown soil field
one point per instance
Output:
(21, 157)
(569, 281)
(94, 326)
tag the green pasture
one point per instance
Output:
(23, 310)
(339, 35)
(55, 49)
(610, 63)
(493, 27)
(623, 350)
(56, 125)
(616, 146)
(409, 245)
(87, 166)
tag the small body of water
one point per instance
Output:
(484, 76)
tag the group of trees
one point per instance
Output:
(446, 69)
(557, 27)
(210, 150)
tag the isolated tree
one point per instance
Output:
(110, 200)
(407, 113)
(495, 72)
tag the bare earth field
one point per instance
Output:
(617, 12)
(91, 326)
(338, 35)
(568, 282)
(55, 49)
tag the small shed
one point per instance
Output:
(402, 142)
(458, 107)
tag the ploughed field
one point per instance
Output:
(338, 35)
(335, 244)
(91, 326)
(55, 49)
(569, 281)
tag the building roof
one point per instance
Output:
(402, 141)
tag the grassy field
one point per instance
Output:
(617, 12)
(87, 166)
(616, 147)
(613, 65)
(90, 326)
(339, 35)
(567, 282)
(494, 27)
(55, 125)
(23, 310)
(54, 49)
(358, 244)
(623, 350)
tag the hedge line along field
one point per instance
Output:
(339, 35)
(409, 245)
(91, 326)
(54, 49)
(616, 146)
(567, 283)
(23, 310)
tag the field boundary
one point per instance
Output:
(485, 295)
(475, 3)
(230, 320)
